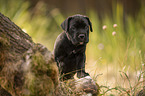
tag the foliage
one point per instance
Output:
(120, 46)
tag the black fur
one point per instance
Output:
(70, 46)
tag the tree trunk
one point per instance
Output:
(26, 68)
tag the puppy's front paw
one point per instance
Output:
(82, 74)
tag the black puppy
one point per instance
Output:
(70, 46)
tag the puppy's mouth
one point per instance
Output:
(81, 43)
(78, 43)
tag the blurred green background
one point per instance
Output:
(119, 47)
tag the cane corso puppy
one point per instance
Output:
(70, 46)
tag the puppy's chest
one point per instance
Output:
(75, 51)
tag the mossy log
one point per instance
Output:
(26, 68)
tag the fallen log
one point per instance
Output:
(26, 68)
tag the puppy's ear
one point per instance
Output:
(90, 24)
(65, 24)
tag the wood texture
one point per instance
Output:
(26, 68)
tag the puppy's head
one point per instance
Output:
(77, 29)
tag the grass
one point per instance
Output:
(114, 61)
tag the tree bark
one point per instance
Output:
(26, 68)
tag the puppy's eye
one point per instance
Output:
(86, 27)
(73, 28)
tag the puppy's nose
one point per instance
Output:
(81, 36)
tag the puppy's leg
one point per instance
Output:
(81, 66)
(65, 74)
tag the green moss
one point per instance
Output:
(38, 63)
(39, 78)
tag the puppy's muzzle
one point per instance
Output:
(81, 36)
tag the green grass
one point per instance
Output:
(114, 61)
